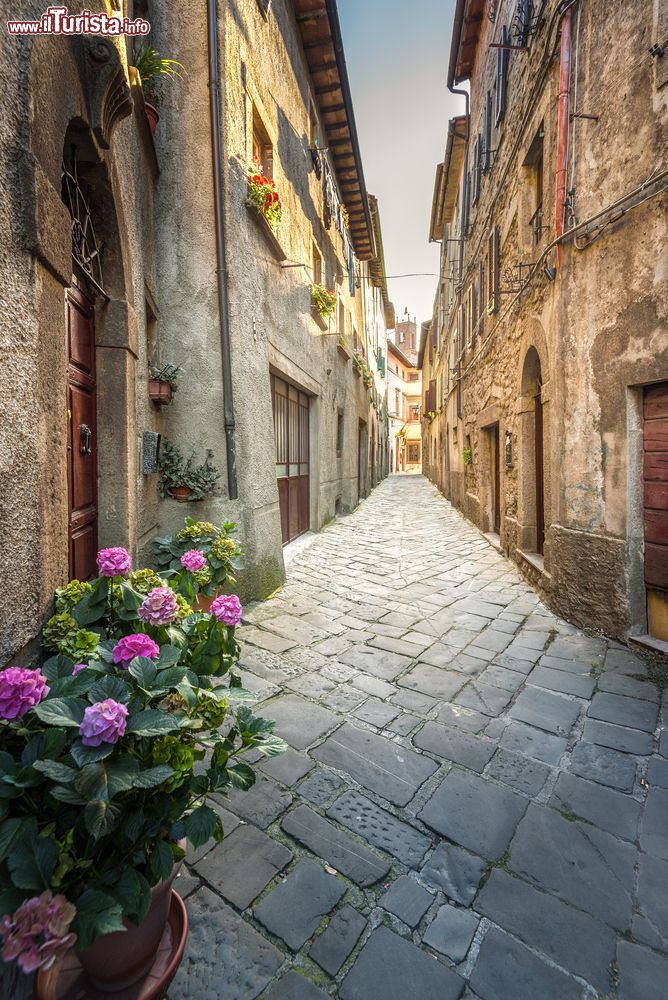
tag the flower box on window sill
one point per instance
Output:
(343, 349)
(357, 372)
(322, 321)
(268, 233)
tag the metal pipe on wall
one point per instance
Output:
(215, 111)
(563, 128)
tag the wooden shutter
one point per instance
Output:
(502, 56)
(487, 134)
(493, 270)
(476, 169)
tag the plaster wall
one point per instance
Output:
(600, 329)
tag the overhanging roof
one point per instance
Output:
(318, 22)
(448, 173)
(425, 329)
(377, 264)
(465, 34)
(393, 349)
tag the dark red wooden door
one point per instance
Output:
(540, 488)
(655, 481)
(291, 434)
(82, 435)
(496, 480)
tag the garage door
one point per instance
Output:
(291, 434)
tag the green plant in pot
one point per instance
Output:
(107, 766)
(200, 560)
(154, 70)
(185, 479)
(162, 382)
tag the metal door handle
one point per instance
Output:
(86, 435)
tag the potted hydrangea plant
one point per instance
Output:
(111, 749)
(200, 560)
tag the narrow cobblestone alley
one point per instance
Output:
(475, 803)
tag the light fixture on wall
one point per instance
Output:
(550, 272)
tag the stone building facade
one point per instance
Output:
(404, 402)
(545, 364)
(83, 319)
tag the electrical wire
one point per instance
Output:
(652, 179)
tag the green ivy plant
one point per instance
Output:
(467, 455)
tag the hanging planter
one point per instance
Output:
(162, 383)
(153, 70)
(183, 479)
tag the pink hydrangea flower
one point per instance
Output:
(77, 668)
(20, 690)
(159, 607)
(38, 932)
(103, 722)
(192, 560)
(137, 644)
(114, 562)
(227, 609)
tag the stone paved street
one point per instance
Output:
(476, 799)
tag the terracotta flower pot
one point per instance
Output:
(160, 392)
(203, 603)
(116, 961)
(180, 493)
(153, 116)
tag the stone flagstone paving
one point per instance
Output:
(475, 803)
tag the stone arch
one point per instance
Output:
(80, 94)
(533, 437)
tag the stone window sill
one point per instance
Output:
(322, 321)
(266, 230)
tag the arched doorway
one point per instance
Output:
(532, 452)
(81, 374)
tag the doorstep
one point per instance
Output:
(649, 642)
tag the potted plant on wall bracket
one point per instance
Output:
(185, 479)
(323, 304)
(264, 204)
(154, 70)
(110, 754)
(162, 383)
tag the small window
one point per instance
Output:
(341, 319)
(339, 434)
(413, 454)
(316, 264)
(397, 402)
(534, 163)
(263, 150)
(152, 340)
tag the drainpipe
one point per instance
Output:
(221, 245)
(465, 95)
(562, 128)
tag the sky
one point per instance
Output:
(397, 55)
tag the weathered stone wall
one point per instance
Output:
(272, 327)
(49, 83)
(599, 329)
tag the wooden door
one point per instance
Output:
(655, 484)
(496, 479)
(361, 462)
(82, 434)
(540, 495)
(291, 433)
